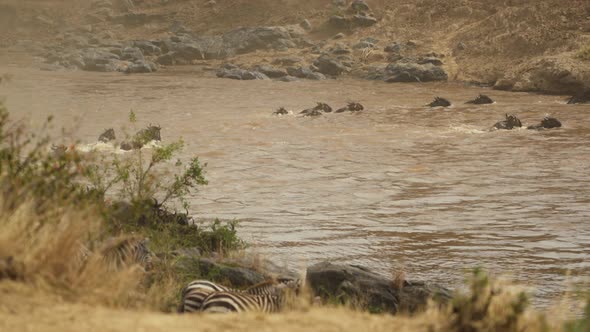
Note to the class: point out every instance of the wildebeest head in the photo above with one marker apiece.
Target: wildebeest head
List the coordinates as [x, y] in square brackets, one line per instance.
[323, 107]
[481, 99]
[151, 133]
[355, 107]
[549, 122]
[512, 121]
[107, 135]
[438, 101]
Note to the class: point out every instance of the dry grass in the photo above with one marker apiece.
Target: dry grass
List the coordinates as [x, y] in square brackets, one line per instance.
[45, 246]
[584, 53]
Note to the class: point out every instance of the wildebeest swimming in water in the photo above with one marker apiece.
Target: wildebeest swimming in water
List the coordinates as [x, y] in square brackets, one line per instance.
[151, 133]
[438, 101]
[582, 97]
[546, 123]
[480, 100]
[510, 122]
[351, 107]
[281, 111]
[317, 110]
[107, 136]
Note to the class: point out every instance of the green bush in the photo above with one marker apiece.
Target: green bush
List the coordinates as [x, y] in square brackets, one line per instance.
[139, 182]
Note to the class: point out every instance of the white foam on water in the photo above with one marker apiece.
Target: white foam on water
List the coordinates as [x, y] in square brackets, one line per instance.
[467, 129]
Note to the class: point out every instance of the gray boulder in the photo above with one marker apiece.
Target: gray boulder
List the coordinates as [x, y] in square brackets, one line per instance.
[339, 22]
[140, 67]
[362, 20]
[270, 71]
[100, 60]
[287, 61]
[394, 48]
[288, 78]
[358, 285]
[147, 47]
[413, 72]
[432, 60]
[305, 72]
[132, 54]
[240, 74]
[329, 66]
[245, 40]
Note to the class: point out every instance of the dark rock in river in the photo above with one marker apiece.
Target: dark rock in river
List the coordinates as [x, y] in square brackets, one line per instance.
[439, 102]
[412, 72]
[270, 71]
[233, 72]
[511, 122]
[358, 285]
[480, 100]
[329, 66]
[546, 123]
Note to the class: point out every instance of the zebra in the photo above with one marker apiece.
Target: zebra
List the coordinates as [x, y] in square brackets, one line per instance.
[195, 293]
[268, 301]
[121, 252]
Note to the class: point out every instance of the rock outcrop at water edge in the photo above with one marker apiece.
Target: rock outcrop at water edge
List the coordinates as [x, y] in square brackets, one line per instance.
[358, 285]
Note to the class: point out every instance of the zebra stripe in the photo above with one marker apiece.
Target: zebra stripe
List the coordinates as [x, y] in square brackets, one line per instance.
[119, 253]
[241, 302]
[195, 293]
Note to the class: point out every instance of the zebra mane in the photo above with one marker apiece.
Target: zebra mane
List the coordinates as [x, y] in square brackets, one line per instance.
[262, 284]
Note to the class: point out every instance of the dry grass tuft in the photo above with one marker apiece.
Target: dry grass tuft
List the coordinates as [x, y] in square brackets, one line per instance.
[48, 245]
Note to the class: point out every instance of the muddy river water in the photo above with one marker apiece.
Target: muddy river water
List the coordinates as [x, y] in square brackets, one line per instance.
[399, 185]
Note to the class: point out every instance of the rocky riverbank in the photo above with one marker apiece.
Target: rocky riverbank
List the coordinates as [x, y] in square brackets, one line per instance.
[414, 42]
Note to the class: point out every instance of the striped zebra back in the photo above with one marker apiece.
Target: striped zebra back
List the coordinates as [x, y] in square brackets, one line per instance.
[268, 296]
[128, 251]
[221, 302]
[195, 293]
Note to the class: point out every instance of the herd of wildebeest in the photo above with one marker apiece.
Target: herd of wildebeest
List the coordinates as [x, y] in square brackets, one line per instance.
[510, 122]
[152, 133]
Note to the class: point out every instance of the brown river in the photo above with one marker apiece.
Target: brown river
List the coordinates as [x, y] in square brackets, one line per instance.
[399, 185]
